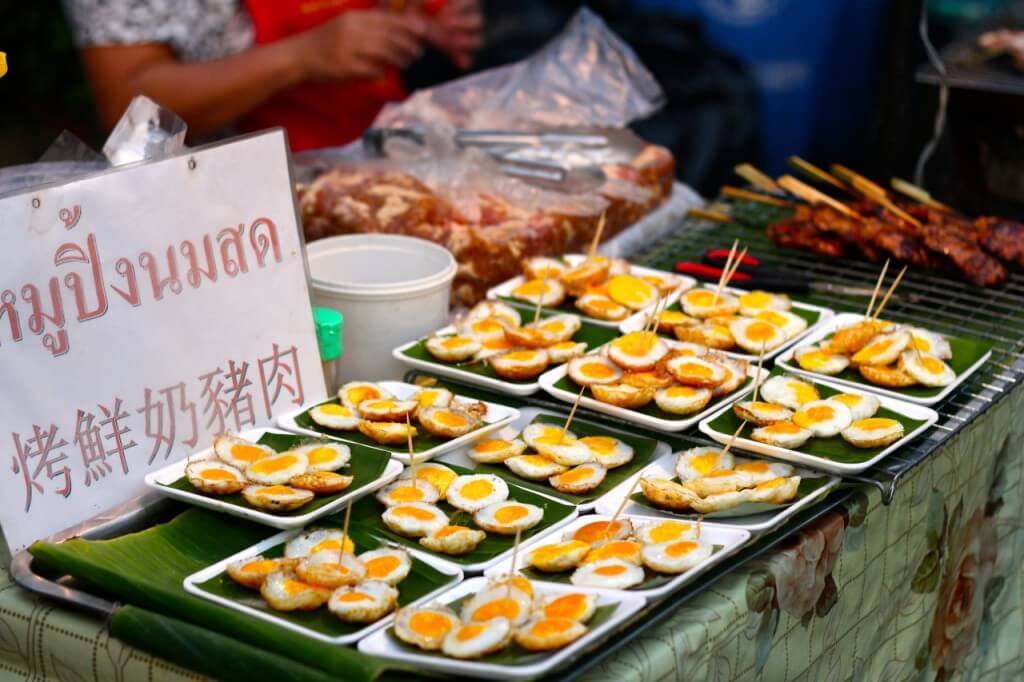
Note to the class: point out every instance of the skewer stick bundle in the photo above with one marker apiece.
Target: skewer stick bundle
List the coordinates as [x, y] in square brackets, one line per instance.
[597, 235]
[819, 174]
[888, 294]
[737, 193]
[878, 285]
[756, 178]
[809, 194]
[709, 214]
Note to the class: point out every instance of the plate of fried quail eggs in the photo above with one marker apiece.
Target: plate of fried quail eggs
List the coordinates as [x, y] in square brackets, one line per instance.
[275, 478]
[502, 627]
[319, 583]
[819, 424]
[386, 414]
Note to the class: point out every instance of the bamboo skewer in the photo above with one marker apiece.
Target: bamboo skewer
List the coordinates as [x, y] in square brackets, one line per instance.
[597, 236]
[344, 532]
[572, 413]
[809, 194]
[412, 452]
[756, 178]
[512, 566]
[728, 275]
[892, 288]
[878, 285]
[540, 298]
[874, 192]
[700, 519]
[918, 194]
[820, 174]
[725, 269]
[622, 505]
[709, 214]
[757, 377]
[735, 435]
[737, 193]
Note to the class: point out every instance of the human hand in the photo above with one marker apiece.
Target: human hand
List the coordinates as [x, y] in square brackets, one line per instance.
[360, 44]
[457, 29]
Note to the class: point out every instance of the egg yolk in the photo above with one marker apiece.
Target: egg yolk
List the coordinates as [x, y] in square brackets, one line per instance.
[614, 569]
[492, 445]
[932, 365]
[601, 444]
[667, 532]
[534, 287]
[550, 627]
[678, 549]
[379, 405]
[804, 393]
[477, 490]
[753, 467]
[629, 289]
[695, 369]
[567, 606]
[603, 305]
[449, 530]
[875, 424]
[450, 419]
[619, 549]
[761, 331]
[564, 345]
[430, 624]
[321, 455]
[510, 514]
[848, 399]
[217, 475]
[554, 327]
[814, 415]
[596, 370]
[451, 342]
[260, 566]
[293, 587]
[381, 566]
[350, 597]
[700, 297]
[721, 473]
[768, 485]
[487, 326]
[673, 317]
[575, 476]
[921, 344]
[436, 477]
[406, 493]
[468, 632]
[549, 553]
[598, 530]
[550, 435]
[815, 359]
[336, 410]
[277, 490]
[704, 464]
[520, 356]
[875, 349]
[756, 299]
[247, 453]
[412, 513]
[783, 427]
[272, 465]
[635, 343]
[680, 391]
[500, 343]
[772, 317]
[358, 394]
[535, 461]
[504, 607]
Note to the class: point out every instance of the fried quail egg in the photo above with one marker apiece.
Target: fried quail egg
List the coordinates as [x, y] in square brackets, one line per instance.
[529, 337]
[505, 518]
[542, 267]
[626, 550]
[517, 582]
[510, 603]
[656, 378]
[559, 556]
[932, 343]
[782, 434]
[882, 350]
[318, 540]
[873, 432]
[437, 475]
[775, 491]
[495, 450]
[825, 418]
[721, 481]
[214, 477]
[664, 282]
[474, 492]
[861, 405]
[386, 565]
[577, 606]
[432, 397]
[696, 372]
[473, 640]
[668, 320]
[498, 310]
[892, 377]
[610, 574]
[387, 433]
[559, 328]
[447, 422]
[735, 375]
[321, 482]
[277, 469]
[546, 434]
[850, 339]
[609, 452]
[534, 467]
[548, 634]
[580, 479]
[682, 399]
[567, 453]
[788, 392]
[330, 570]
[486, 329]
[707, 334]
[699, 462]
[325, 455]
[632, 292]
[597, 532]
[565, 351]
[660, 532]
[492, 347]
[757, 471]
[637, 351]
[549, 293]
[755, 335]
[335, 416]
[591, 370]
[926, 369]
[720, 502]
[366, 602]
[283, 591]
[761, 413]
[520, 364]
[252, 571]
[817, 359]
[753, 302]
[675, 557]
[791, 324]
[387, 410]
[702, 303]
[426, 626]
[407, 490]
[239, 452]
[667, 494]
[590, 272]
[623, 395]
[414, 519]
[601, 307]
[453, 540]
[453, 348]
[689, 348]
[354, 393]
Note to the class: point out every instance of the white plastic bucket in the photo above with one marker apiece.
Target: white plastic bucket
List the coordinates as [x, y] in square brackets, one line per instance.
[391, 289]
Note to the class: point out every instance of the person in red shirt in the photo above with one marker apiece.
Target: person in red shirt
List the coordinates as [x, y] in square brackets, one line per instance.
[320, 68]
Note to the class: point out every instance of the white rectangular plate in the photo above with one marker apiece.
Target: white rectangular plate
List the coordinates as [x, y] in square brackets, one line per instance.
[497, 416]
[755, 523]
[787, 362]
[526, 417]
[637, 322]
[918, 412]
[553, 376]
[193, 585]
[730, 538]
[159, 480]
[505, 289]
[380, 643]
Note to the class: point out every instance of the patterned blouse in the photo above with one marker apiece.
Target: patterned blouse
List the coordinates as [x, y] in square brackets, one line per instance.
[197, 30]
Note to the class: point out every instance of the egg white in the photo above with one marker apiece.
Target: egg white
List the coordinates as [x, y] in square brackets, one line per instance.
[536, 434]
[754, 335]
[930, 342]
[611, 574]
[486, 638]
[277, 469]
[791, 324]
[471, 493]
[486, 605]
[826, 427]
[355, 392]
[817, 359]
[873, 432]
[325, 455]
[753, 302]
[701, 461]
[496, 450]
[335, 416]
[426, 626]
[493, 519]
[607, 451]
[699, 303]
[675, 557]
[788, 392]
[601, 307]
[454, 540]
[215, 477]
[366, 602]
[697, 372]
[782, 434]
[534, 467]
[682, 399]
[414, 519]
[927, 369]
[761, 413]
[669, 530]
[405, 490]
[579, 480]
[861, 405]
[591, 370]
[238, 452]
[883, 349]
[380, 564]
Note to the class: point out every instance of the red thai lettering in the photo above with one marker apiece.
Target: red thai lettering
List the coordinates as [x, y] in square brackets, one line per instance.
[263, 243]
[74, 253]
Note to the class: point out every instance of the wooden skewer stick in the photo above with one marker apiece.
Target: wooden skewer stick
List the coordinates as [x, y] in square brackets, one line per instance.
[622, 505]
[725, 270]
[873, 191]
[878, 285]
[737, 193]
[652, 321]
[700, 519]
[820, 174]
[412, 452]
[756, 178]
[597, 235]
[572, 413]
[728, 446]
[344, 532]
[757, 377]
[512, 566]
[892, 288]
[540, 297]
[918, 194]
[710, 215]
[735, 266]
[811, 195]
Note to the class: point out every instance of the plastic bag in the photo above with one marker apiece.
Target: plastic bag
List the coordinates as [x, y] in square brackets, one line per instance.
[586, 76]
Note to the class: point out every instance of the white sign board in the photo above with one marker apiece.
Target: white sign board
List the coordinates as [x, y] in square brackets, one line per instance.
[142, 311]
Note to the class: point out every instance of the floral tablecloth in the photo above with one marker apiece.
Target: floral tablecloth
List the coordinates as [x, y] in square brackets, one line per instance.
[929, 588]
